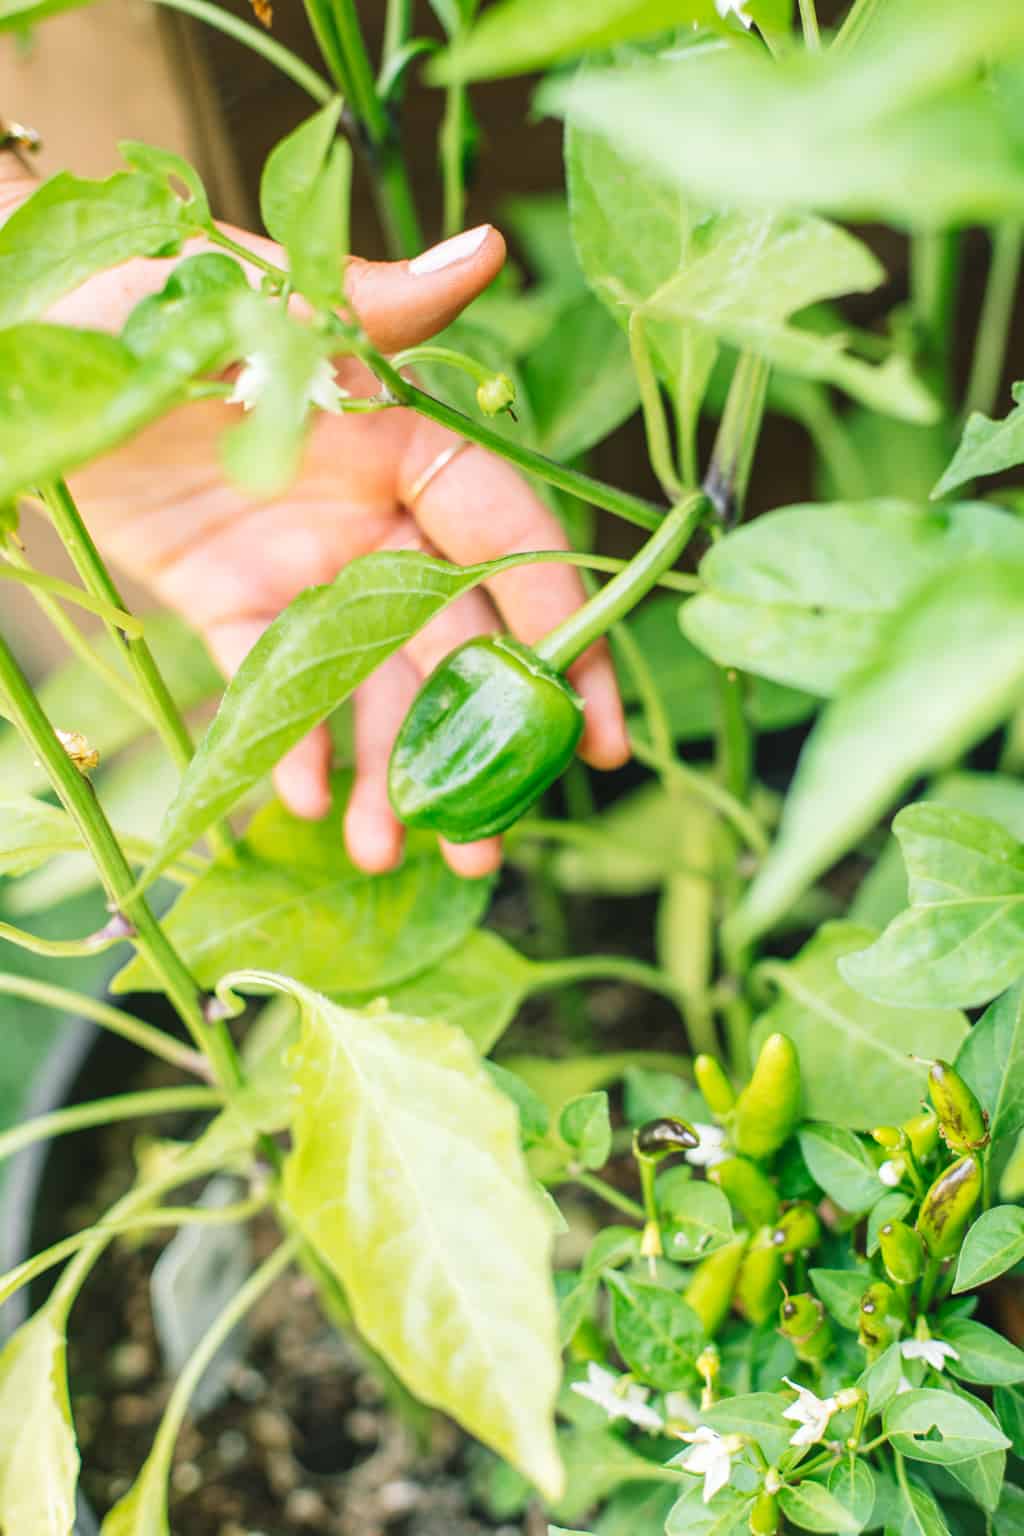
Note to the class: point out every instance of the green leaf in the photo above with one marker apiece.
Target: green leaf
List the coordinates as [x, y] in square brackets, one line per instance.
[962, 940]
[881, 1380]
[916, 134]
[948, 666]
[695, 1216]
[319, 238]
[292, 168]
[921, 1514]
[579, 381]
[813, 1507]
[856, 1058]
[852, 1483]
[985, 1357]
[560, 1530]
[841, 1290]
[649, 1095]
[586, 1127]
[313, 656]
[726, 1515]
[534, 1120]
[446, 1267]
[801, 596]
[596, 1462]
[1009, 1407]
[757, 1414]
[70, 229]
[981, 1476]
[987, 447]
[142, 1511]
[991, 1060]
[994, 1244]
[38, 1453]
[963, 1430]
[478, 987]
[68, 396]
[840, 1165]
[293, 897]
[173, 170]
[656, 1332]
[31, 832]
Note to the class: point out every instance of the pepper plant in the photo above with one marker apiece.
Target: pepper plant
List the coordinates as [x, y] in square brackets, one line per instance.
[789, 1323]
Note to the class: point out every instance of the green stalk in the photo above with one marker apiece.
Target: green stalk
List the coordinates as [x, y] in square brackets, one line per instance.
[253, 37]
[145, 1036]
[619, 596]
[124, 1106]
[321, 24]
[809, 23]
[659, 443]
[453, 158]
[61, 949]
[70, 594]
[934, 272]
[994, 321]
[732, 457]
[604, 1191]
[562, 973]
[397, 27]
[858, 19]
[706, 788]
[79, 800]
[578, 834]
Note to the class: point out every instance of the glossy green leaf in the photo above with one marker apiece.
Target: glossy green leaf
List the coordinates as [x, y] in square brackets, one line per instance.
[70, 229]
[726, 1515]
[597, 1461]
[921, 1514]
[319, 238]
[31, 832]
[172, 170]
[994, 1244]
[291, 170]
[695, 1216]
[987, 447]
[991, 1060]
[579, 380]
[985, 1357]
[801, 596]
[962, 939]
[656, 1332]
[857, 1061]
[948, 666]
[813, 1507]
[757, 1414]
[406, 1173]
[963, 1430]
[980, 1476]
[585, 1126]
[67, 396]
[1008, 1403]
[478, 987]
[881, 1381]
[38, 1452]
[190, 323]
[841, 1291]
[916, 136]
[534, 1120]
[312, 658]
[293, 897]
[840, 1165]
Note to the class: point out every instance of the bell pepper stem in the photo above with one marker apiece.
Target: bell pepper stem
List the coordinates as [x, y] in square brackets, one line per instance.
[619, 596]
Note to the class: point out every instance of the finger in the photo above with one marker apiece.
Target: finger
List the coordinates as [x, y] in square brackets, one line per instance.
[473, 860]
[302, 778]
[401, 303]
[478, 508]
[373, 833]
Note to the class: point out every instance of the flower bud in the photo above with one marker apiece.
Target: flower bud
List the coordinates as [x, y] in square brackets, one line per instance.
[496, 394]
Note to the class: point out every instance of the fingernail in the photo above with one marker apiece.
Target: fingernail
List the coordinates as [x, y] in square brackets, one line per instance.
[458, 248]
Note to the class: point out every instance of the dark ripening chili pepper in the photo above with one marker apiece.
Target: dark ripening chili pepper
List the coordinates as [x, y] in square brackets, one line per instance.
[659, 1138]
[710, 1290]
[902, 1252]
[496, 722]
[749, 1190]
[768, 1110]
[946, 1208]
[764, 1515]
[962, 1122]
[804, 1322]
[759, 1283]
[719, 1094]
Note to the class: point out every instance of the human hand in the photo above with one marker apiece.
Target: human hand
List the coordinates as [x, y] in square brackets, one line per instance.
[160, 508]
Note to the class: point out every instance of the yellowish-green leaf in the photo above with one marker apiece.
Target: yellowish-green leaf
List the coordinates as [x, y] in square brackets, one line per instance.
[38, 1452]
[31, 832]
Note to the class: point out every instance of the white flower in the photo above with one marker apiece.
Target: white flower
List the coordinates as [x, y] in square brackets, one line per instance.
[933, 1351]
[891, 1172]
[619, 1397]
[812, 1413]
[254, 377]
[710, 1457]
[712, 1148]
[737, 8]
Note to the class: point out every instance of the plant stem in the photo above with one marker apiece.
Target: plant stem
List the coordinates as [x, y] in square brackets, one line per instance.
[579, 834]
[243, 32]
[858, 19]
[934, 267]
[809, 23]
[994, 321]
[60, 949]
[453, 157]
[619, 596]
[124, 1106]
[145, 1036]
[732, 457]
[659, 443]
[562, 973]
[927, 1292]
[707, 789]
[79, 800]
[397, 27]
[115, 617]
[606, 1192]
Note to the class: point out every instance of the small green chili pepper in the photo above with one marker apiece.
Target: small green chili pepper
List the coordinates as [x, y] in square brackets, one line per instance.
[876, 1324]
[719, 1094]
[759, 1283]
[710, 1290]
[764, 1515]
[946, 1208]
[902, 1252]
[923, 1134]
[804, 1322]
[889, 1136]
[748, 1188]
[962, 1122]
[768, 1110]
[660, 1138]
[797, 1229]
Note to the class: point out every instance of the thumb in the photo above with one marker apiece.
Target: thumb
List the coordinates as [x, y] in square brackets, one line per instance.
[401, 303]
